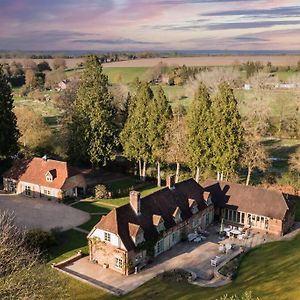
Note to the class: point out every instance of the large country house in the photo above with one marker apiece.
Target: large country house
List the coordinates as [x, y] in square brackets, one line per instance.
[146, 227]
[132, 234]
[43, 177]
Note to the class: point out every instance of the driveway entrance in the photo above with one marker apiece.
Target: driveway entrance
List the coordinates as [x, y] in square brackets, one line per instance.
[42, 214]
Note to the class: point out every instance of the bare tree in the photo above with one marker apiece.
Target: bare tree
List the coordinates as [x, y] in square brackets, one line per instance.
[59, 63]
[22, 274]
[212, 79]
[254, 156]
[175, 140]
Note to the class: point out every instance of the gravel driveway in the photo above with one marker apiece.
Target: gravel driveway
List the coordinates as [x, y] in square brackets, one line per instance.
[43, 214]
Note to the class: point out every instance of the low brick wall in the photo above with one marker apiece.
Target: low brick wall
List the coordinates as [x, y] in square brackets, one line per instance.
[68, 261]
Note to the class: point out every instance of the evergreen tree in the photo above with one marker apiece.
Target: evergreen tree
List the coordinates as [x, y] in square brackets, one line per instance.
[227, 131]
[198, 127]
[91, 129]
[134, 136]
[159, 114]
[9, 133]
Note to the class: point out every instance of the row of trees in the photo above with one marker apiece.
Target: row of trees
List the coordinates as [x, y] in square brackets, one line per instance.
[209, 138]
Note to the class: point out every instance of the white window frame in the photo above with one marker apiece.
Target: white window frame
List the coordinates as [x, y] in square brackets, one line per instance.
[119, 263]
[107, 236]
[160, 246]
[49, 177]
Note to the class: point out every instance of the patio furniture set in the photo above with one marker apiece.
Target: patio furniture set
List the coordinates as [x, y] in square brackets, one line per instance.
[198, 236]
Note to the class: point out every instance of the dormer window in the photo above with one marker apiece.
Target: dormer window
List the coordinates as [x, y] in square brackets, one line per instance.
[177, 215]
[136, 233]
[193, 206]
[207, 198]
[50, 175]
[158, 222]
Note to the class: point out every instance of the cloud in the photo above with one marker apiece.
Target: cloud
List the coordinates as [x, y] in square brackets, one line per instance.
[248, 25]
[289, 11]
[115, 42]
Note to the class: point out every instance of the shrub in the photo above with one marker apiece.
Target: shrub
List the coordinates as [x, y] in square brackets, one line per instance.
[290, 178]
[101, 191]
[39, 239]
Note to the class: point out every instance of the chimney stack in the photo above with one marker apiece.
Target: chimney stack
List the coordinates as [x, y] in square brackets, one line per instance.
[135, 201]
[170, 180]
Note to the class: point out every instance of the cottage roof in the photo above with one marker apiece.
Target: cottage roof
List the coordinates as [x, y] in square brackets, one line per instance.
[34, 171]
[162, 204]
[248, 199]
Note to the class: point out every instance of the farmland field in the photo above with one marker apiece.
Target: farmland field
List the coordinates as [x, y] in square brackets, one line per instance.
[204, 60]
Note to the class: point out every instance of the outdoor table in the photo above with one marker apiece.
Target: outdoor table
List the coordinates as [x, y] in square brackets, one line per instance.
[235, 231]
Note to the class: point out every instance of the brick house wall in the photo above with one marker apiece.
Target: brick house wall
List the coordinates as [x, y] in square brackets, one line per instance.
[105, 253]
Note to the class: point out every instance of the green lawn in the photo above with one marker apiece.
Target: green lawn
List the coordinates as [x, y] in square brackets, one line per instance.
[91, 223]
[124, 75]
[69, 243]
[92, 207]
[270, 271]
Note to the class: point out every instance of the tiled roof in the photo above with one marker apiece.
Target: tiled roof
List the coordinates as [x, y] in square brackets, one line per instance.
[161, 203]
[134, 229]
[156, 219]
[248, 199]
[34, 171]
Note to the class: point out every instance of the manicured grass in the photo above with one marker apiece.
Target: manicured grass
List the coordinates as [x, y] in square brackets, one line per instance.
[69, 243]
[270, 271]
[82, 291]
[91, 223]
[92, 207]
[124, 75]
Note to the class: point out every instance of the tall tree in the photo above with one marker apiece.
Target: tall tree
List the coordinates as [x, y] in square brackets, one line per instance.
[159, 114]
[134, 136]
[9, 133]
[175, 141]
[254, 156]
[91, 128]
[198, 127]
[227, 131]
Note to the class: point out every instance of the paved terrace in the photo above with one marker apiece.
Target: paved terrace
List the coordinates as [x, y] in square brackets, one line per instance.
[192, 257]
[189, 256]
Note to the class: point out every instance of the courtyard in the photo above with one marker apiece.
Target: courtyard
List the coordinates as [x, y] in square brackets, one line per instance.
[39, 213]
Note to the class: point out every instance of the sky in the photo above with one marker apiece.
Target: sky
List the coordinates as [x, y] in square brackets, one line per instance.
[149, 25]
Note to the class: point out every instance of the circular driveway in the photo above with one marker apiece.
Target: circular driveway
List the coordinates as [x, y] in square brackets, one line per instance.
[43, 214]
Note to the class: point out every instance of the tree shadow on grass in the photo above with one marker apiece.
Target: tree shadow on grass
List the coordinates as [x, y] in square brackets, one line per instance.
[68, 243]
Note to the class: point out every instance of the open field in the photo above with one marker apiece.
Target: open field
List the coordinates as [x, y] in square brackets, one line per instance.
[204, 60]
[221, 60]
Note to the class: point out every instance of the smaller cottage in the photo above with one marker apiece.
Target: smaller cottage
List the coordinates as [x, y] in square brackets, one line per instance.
[43, 177]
